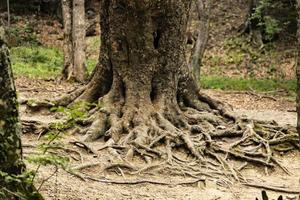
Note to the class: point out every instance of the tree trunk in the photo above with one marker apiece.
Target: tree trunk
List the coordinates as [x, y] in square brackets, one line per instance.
[203, 9]
[10, 143]
[298, 70]
[142, 72]
[74, 40]
[149, 102]
[78, 35]
[8, 13]
[68, 49]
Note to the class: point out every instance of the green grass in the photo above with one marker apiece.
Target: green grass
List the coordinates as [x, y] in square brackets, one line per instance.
[243, 84]
[39, 61]
[36, 61]
[91, 63]
[44, 62]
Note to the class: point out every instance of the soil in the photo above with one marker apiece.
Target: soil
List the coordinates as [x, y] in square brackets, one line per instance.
[278, 106]
[65, 186]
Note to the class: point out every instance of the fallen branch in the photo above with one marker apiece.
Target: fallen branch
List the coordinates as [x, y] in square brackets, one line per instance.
[141, 181]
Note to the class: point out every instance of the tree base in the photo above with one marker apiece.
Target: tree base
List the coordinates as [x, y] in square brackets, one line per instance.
[185, 139]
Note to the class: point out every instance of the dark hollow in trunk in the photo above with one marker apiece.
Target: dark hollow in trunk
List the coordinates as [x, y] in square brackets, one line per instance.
[151, 104]
[142, 74]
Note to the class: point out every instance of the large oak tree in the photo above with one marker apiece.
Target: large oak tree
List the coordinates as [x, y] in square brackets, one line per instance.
[148, 96]
[143, 75]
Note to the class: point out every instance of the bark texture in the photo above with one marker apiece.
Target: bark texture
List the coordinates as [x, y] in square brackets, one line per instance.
[74, 40]
[150, 105]
[142, 77]
[298, 70]
[10, 141]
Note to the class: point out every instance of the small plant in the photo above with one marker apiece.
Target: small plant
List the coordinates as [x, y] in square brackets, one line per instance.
[23, 184]
[74, 113]
[49, 159]
[268, 24]
[23, 35]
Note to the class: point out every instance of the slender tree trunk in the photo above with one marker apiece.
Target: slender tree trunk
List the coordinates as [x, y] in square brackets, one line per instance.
[74, 40]
[298, 70]
[203, 9]
[8, 13]
[10, 143]
[67, 48]
[79, 45]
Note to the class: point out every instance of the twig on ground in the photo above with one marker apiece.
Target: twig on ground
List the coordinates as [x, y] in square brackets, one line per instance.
[84, 146]
[140, 181]
[273, 188]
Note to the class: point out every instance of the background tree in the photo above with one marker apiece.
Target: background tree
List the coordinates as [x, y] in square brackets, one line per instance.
[266, 19]
[8, 13]
[13, 183]
[74, 40]
[203, 10]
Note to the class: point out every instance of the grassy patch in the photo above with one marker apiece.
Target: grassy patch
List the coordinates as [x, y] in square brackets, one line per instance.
[36, 61]
[91, 63]
[243, 84]
[39, 61]
[43, 62]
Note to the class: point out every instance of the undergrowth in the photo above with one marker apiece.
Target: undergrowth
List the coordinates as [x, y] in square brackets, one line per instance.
[40, 62]
[243, 84]
[45, 62]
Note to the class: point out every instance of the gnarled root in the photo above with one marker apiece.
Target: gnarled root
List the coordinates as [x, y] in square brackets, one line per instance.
[195, 137]
[188, 140]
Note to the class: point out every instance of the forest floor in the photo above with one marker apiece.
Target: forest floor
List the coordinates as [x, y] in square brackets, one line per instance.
[62, 185]
[253, 84]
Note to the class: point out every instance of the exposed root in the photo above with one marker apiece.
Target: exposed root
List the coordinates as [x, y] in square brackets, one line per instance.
[62, 101]
[188, 140]
[155, 137]
[36, 127]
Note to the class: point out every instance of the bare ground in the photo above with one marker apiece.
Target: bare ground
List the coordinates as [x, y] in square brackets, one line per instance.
[64, 186]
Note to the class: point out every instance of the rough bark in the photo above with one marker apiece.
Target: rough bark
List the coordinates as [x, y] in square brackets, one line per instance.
[10, 142]
[67, 48]
[203, 10]
[150, 104]
[298, 70]
[74, 40]
[78, 35]
[141, 88]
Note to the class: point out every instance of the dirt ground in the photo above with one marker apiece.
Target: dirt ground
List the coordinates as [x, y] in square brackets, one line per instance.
[64, 186]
